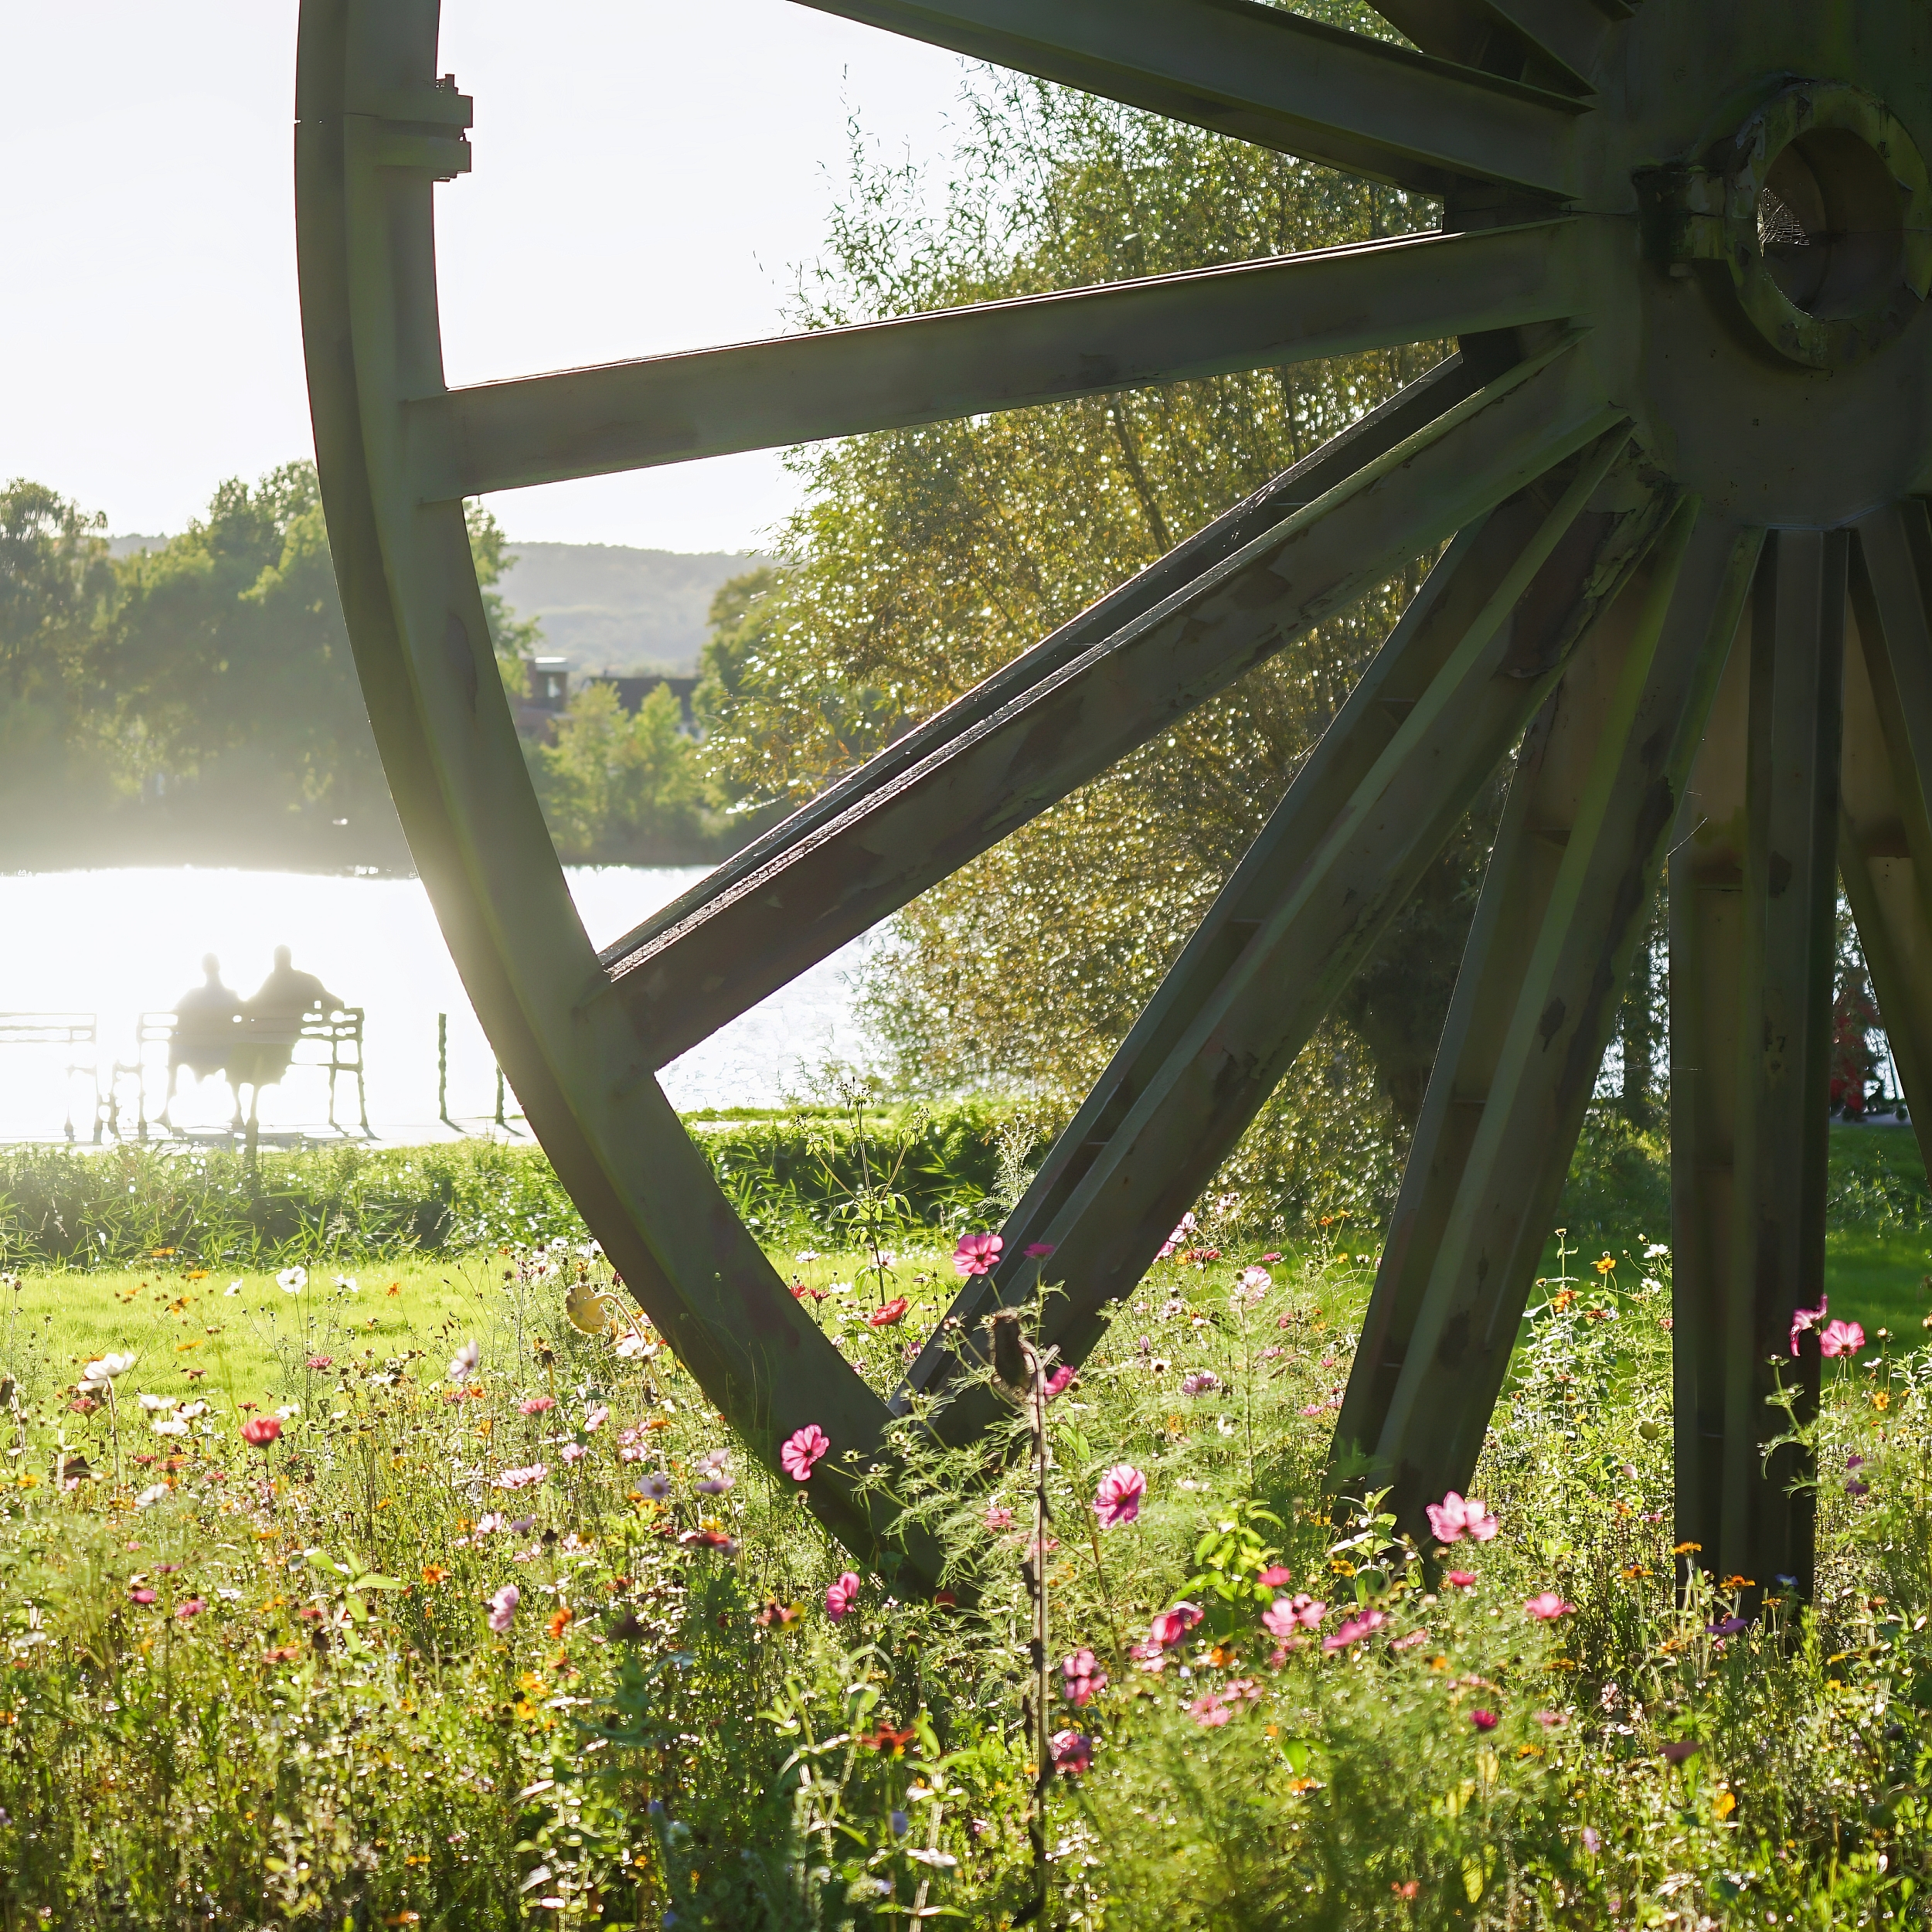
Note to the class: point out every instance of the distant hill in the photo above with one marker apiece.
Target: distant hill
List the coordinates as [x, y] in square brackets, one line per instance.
[607, 607]
[602, 606]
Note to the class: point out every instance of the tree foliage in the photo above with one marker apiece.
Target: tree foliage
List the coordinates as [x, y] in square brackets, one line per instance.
[927, 557]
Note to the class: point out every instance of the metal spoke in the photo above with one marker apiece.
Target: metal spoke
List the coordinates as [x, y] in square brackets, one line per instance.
[1007, 767]
[1446, 698]
[998, 355]
[1753, 889]
[1576, 860]
[1267, 76]
[1551, 43]
[1885, 843]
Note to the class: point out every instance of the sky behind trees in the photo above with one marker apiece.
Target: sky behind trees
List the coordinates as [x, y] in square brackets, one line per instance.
[648, 174]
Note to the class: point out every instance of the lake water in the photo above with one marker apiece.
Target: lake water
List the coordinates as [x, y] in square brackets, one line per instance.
[116, 944]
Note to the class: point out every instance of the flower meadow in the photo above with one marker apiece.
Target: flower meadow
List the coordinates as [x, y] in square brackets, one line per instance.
[489, 1621]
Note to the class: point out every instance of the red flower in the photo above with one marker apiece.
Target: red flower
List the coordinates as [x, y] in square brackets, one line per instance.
[1483, 1720]
[260, 1431]
[893, 1311]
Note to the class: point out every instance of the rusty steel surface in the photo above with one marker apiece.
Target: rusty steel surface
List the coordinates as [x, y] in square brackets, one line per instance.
[1685, 248]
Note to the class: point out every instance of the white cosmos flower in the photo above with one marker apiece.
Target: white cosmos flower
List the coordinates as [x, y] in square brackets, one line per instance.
[290, 1411]
[349, 1283]
[170, 1425]
[148, 1498]
[463, 1364]
[191, 1410]
[157, 1405]
[233, 1288]
[99, 1372]
[292, 1280]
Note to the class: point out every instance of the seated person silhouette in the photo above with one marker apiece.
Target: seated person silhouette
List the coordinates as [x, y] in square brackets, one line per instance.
[272, 1022]
[207, 1031]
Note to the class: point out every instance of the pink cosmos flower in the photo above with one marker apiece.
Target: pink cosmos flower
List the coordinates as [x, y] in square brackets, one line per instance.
[804, 1448]
[1185, 1226]
[1118, 1500]
[842, 1597]
[574, 1452]
[1170, 1626]
[1841, 1338]
[503, 1608]
[1452, 1519]
[1274, 1576]
[1253, 1282]
[320, 1361]
[1072, 1752]
[893, 1311]
[141, 1596]
[1038, 1250]
[1552, 1720]
[1414, 1637]
[1210, 1711]
[527, 1477]
[1805, 1319]
[1461, 1579]
[259, 1431]
[1203, 1381]
[187, 1612]
[1286, 1615]
[1483, 1720]
[1547, 1607]
[1057, 1381]
[1353, 1629]
[977, 1254]
[997, 1518]
[595, 1416]
[1082, 1678]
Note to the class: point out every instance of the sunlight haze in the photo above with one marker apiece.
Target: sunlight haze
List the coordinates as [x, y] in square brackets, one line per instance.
[648, 178]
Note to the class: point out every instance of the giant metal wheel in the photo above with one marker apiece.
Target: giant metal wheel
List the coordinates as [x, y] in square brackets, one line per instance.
[1685, 249]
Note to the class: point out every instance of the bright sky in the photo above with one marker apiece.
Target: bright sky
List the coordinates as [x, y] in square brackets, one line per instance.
[648, 175]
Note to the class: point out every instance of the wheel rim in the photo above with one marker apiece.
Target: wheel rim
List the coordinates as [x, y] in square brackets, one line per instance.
[1684, 251]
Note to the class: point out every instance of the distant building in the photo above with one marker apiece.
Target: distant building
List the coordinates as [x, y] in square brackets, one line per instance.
[632, 691]
[549, 684]
[547, 696]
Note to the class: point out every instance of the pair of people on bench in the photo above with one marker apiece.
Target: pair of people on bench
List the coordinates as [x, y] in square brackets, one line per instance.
[248, 1042]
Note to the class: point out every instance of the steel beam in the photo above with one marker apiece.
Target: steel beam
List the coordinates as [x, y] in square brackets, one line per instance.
[1575, 865]
[975, 789]
[1754, 891]
[997, 356]
[1885, 845]
[1268, 76]
[1443, 704]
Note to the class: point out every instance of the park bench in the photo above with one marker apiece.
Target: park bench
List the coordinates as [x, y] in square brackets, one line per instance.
[70, 1030]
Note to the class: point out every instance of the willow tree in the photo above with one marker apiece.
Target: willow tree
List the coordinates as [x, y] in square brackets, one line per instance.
[926, 558]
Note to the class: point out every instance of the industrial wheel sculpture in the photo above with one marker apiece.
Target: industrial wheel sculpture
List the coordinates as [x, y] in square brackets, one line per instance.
[1685, 249]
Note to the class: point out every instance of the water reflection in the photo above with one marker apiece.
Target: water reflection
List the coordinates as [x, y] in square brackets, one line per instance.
[118, 944]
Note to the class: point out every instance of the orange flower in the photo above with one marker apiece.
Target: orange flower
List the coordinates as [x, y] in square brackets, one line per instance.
[1686, 1549]
[433, 1573]
[561, 1621]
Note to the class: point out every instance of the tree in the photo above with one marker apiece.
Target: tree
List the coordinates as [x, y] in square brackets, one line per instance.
[617, 788]
[55, 580]
[514, 639]
[927, 557]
